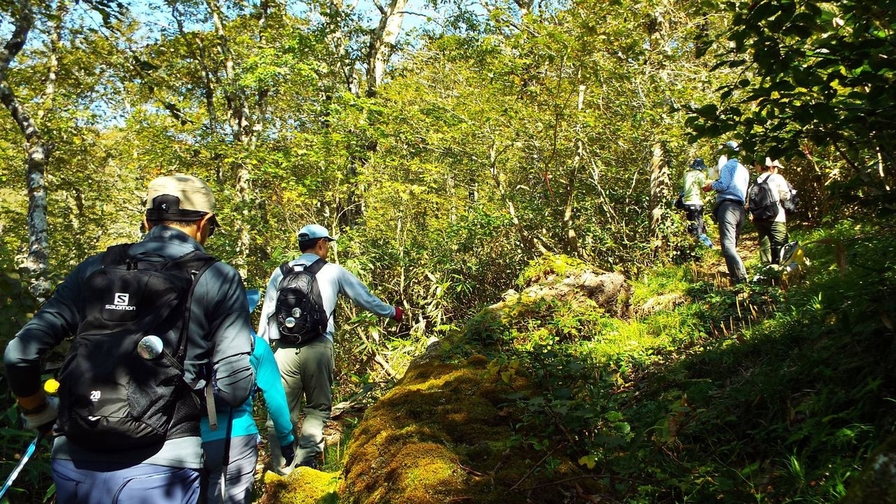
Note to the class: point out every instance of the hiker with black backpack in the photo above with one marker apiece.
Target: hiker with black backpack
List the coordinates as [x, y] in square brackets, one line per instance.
[729, 213]
[765, 202]
[153, 322]
[298, 318]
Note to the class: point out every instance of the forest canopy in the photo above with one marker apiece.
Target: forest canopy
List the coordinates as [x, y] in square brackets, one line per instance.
[448, 144]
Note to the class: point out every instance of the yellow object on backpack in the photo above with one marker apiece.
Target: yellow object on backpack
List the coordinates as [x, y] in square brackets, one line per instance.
[793, 262]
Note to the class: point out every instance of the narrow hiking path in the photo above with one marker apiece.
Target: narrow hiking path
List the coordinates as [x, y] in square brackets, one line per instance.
[333, 476]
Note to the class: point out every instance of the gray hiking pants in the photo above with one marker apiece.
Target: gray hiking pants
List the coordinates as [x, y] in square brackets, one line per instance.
[307, 373]
[240, 469]
[730, 216]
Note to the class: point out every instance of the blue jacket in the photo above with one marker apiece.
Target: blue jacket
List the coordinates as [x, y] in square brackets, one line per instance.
[734, 178]
[267, 376]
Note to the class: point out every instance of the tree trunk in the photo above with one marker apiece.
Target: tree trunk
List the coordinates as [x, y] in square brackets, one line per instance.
[659, 195]
[244, 127]
[200, 54]
[37, 261]
[572, 241]
[240, 120]
[381, 42]
[529, 242]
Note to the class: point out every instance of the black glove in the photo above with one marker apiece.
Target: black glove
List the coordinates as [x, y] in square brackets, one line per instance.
[289, 453]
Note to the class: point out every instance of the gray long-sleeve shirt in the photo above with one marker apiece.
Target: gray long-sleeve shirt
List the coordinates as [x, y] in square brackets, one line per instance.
[332, 280]
[220, 332]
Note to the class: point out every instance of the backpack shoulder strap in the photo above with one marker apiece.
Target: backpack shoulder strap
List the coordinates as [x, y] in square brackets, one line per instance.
[195, 264]
[116, 255]
[314, 267]
[285, 269]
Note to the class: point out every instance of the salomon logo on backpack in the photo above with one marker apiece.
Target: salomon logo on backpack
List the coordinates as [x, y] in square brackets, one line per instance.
[300, 311]
[763, 201]
[110, 398]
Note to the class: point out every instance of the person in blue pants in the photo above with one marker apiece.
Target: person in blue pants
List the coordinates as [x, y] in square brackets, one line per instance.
[231, 465]
[179, 218]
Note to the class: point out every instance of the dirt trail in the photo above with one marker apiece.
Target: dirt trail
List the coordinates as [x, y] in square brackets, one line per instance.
[711, 267]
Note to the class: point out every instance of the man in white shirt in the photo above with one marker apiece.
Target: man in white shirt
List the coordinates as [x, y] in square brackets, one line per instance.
[307, 366]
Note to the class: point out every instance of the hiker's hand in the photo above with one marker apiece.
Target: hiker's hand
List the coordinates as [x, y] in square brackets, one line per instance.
[42, 417]
[707, 188]
[398, 314]
[289, 454]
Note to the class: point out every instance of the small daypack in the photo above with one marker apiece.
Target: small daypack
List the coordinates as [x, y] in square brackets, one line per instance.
[300, 312]
[763, 200]
[791, 205]
[679, 203]
[111, 398]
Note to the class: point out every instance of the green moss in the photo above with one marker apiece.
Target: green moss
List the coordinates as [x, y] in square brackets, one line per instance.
[662, 282]
[551, 265]
[302, 486]
[417, 437]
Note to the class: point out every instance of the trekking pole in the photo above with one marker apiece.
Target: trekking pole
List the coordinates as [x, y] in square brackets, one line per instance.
[21, 465]
[50, 386]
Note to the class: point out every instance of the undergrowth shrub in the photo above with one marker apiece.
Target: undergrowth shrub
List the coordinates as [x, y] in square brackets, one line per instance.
[729, 395]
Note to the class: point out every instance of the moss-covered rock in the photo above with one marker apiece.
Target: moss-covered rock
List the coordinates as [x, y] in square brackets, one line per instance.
[446, 432]
[877, 482]
[410, 446]
[302, 486]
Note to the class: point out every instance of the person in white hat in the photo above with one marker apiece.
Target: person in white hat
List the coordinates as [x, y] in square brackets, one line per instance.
[772, 232]
[94, 463]
[307, 366]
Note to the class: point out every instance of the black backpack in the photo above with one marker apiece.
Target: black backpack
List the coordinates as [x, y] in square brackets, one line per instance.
[300, 312]
[763, 200]
[791, 205]
[111, 398]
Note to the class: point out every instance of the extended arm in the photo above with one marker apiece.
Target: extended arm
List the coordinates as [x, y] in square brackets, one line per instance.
[55, 321]
[350, 286]
[268, 379]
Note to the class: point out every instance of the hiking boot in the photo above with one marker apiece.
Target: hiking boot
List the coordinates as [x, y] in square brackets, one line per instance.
[283, 471]
[312, 463]
[705, 240]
